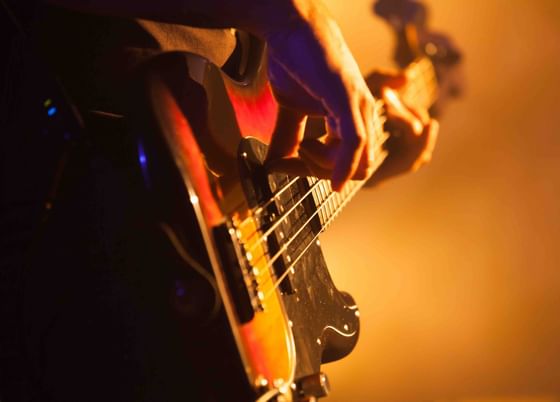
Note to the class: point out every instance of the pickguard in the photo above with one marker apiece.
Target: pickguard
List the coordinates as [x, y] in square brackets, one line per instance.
[324, 320]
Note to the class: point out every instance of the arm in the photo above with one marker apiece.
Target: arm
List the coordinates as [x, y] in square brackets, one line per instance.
[307, 51]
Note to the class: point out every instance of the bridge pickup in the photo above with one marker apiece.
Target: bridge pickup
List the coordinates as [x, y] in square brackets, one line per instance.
[235, 274]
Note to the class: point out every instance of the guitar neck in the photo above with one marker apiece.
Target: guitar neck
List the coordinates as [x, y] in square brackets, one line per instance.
[420, 91]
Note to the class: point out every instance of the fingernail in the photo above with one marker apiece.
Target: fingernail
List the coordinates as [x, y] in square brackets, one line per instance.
[417, 127]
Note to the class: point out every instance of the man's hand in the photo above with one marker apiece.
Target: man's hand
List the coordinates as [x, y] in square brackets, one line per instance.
[413, 132]
[412, 140]
[313, 72]
[306, 45]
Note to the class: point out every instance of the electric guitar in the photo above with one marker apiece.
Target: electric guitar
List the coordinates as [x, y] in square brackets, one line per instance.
[267, 313]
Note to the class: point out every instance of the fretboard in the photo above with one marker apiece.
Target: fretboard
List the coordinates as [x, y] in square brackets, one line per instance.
[420, 91]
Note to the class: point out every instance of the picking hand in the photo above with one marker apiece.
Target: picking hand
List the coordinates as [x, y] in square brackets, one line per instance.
[313, 72]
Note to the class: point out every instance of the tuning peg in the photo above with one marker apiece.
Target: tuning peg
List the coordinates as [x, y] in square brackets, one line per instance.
[440, 48]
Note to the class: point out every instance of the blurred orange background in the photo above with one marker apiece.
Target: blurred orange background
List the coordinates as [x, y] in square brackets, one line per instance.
[456, 269]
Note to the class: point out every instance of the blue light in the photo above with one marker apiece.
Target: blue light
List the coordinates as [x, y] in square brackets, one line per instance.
[143, 159]
[142, 156]
[52, 111]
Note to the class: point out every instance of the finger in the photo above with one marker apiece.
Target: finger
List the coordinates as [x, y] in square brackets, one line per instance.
[322, 153]
[354, 139]
[398, 109]
[321, 158]
[367, 159]
[431, 139]
[421, 114]
[365, 168]
[433, 135]
[288, 134]
[399, 126]
[433, 130]
[373, 125]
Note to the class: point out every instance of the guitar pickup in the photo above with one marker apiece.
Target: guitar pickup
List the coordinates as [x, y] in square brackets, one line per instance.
[237, 275]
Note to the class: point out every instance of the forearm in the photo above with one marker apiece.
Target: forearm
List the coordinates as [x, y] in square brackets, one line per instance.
[257, 16]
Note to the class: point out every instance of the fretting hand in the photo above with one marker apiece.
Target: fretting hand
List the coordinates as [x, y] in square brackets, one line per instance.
[413, 133]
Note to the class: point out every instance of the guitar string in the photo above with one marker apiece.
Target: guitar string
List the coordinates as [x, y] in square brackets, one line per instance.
[330, 218]
[380, 138]
[421, 68]
[310, 243]
[429, 92]
[263, 238]
[325, 204]
[284, 216]
[291, 267]
[260, 208]
[357, 185]
[284, 247]
[426, 85]
[294, 181]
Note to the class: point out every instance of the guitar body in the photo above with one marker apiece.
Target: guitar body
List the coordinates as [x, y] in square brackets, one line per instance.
[273, 313]
[265, 312]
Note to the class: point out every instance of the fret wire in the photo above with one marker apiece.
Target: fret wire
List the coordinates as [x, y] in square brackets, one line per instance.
[329, 199]
[333, 199]
[292, 238]
[423, 69]
[356, 186]
[322, 197]
[326, 199]
[427, 93]
[338, 201]
[379, 130]
[310, 182]
[260, 209]
[281, 219]
[296, 260]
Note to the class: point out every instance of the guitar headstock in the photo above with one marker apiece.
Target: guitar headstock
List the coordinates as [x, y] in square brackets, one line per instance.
[409, 19]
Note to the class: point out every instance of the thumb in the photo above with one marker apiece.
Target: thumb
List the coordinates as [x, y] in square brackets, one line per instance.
[288, 134]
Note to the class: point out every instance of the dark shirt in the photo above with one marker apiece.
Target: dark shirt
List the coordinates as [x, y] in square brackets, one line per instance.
[84, 297]
[95, 55]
